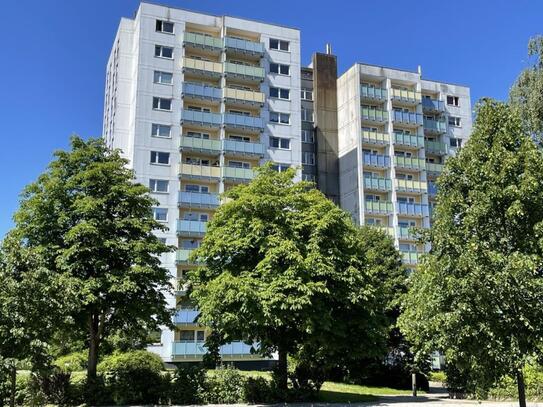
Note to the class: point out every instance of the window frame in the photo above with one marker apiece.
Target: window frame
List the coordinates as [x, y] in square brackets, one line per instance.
[162, 47]
[160, 82]
[279, 93]
[457, 121]
[279, 43]
[309, 154]
[165, 211]
[161, 30]
[280, 115]
[279, 66]
[159, 99]
[158, 126]
[157, 154]
[280, 141]
[154, 182]
[312, 136]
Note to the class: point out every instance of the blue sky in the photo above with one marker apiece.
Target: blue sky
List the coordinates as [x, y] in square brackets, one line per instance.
[54, 56]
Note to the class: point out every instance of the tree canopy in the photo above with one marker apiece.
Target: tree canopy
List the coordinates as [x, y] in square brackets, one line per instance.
[477, 295]
[287, 269]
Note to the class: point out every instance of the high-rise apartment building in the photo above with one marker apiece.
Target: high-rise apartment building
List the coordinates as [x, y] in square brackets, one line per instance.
[196, 102]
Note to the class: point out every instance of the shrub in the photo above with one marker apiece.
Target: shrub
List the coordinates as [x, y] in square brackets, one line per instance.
[55, 386]
[259, 390]
[225, 386]
[133, 377]
[188, 385]
[72, 362]
[533, 380]
[437, 377]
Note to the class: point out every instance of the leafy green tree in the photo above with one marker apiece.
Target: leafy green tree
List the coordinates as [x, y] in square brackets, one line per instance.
[93, 227]
[477, 295]
[287, 268]
[526, 94]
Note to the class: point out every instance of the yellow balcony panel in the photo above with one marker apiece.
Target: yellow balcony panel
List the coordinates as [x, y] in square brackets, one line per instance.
[202, 67]
[244, 96]
[199, 171]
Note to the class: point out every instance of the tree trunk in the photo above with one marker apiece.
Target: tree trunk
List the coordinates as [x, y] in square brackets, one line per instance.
[414, 383]
[282, 373]
[521, 389]
[13, 374]
[94, 341]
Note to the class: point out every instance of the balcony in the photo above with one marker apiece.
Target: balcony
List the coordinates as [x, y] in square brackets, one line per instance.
[374, 115]
[194, 228]
[243, 47]
[432, 105]
[201, 41]
[244, 148]
[409, 163]
[406, 185]
[372, 93]
[245, 72]
[378, 207]
[237, 174]
[388, 230]
[409, 140]
[377, 184]
[436, 147]
[374, 137]
[193, 171]
[434, 126]
[180, 287]
[243, 97]
[206, 69]
[406, 233]
[201, 119]
[408, 118]
[200, 145]
[182, 256]
[191, 349]
[411, 257]
[404, 96]
[186, 316]
[197, 91]
[412, 209]
[189, 199]
[241, 122]
[432, 189]
[376, 160]
[434, 168]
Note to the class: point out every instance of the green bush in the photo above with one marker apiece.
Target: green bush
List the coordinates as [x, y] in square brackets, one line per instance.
[437, 377]
[506, 389]
[225, 386]
[72, 362]
[188, 385]
[259, 390]
[134, 377]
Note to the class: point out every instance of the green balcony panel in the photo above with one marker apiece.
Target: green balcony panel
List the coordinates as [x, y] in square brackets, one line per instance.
[410, 140]
[375, 115]
[244, 71]
[375, 137]
[381, 184]
[409, 162]
[202, 41]
[199, 144]
[378, 206]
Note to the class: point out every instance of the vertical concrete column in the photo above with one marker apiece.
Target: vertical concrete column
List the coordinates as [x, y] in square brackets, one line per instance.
[222, 133]
[393, 219]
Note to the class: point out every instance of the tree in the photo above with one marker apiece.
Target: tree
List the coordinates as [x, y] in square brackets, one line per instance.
[477, 295]
[93, 228]
[526, 94]
[287, 269]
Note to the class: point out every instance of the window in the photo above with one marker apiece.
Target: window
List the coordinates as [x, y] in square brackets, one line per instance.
[162, 104]
[160, 214]
[197, 188]
[407, 223]
[195, 216]
[372, 198]
[408, 247]
[306, 94]
[239, 138]
[161, 130]
[408, 177]
[190, 244]
[280, 69]
[453, 100]
[239, 164]
[406, 199]
[198, 109]
[200, 161]
[163, 52]
[159, 157]
[455, 142]
[307, 114]
[307, 136]
[373, 221]
[454, 121]
[279, 44]
[164, 78]
[280, 167]
[162, 240]
[164, 27]
[195, 134]
[158, 185]
[309, 177]
[283, 118]
[280, 93]
[308, 158]
[403, 154]
[278, 142]
[239, 112]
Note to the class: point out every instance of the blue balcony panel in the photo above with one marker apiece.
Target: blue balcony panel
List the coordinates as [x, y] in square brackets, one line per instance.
[243, 122]
[413, 209]
[205, 119]
[201, 91]
[191, 227]
[376, 160]
[198, 199]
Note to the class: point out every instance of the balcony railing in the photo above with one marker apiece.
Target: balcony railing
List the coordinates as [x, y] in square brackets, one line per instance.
[434, 168]
[388, 230]
[411, 257]
[435, 126]
[200, 144]
[407, 185]
[245, 96]
[374, 115]
[206, 119]
[433, 105]
[403, 95]
[406, 233]
[186, 316]
[410, 140]
[199, 171]
[238, 174]
[191, 227]
[432, 188]
[182, 256]
[203, 67]
[198, 199]
[377, 183]
[407, 118]
[370, 92]
[413, 209]
[198, 349]
[200, 91]
[375, 137]
[243, 147]
[436, 147]
[376, 160]
[202, 41]
[244, 71]
[244, 46]
[243, 122]
[409, 162]
[378, 206]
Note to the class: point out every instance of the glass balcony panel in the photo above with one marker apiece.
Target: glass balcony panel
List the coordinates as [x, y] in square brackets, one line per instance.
[406, 95]
[198, 199]
[199, 65]
[414, 209]
[238, 173]
[182, 255]
[436, 147]
[203, 41]
[372, 92]
[235, 348]
[411, 140]
[376, 160]
[186, 316]
[411, 257]
[374, 115]
[433, 104]
[245, 95]
[378, 206]
[382, 184]
[433, 167]
[203, 171]
[409, 162]
[256, 72]
[408, 117]
[243, 147]
[191, 227]
[406, 233]
[202, 118]
[246, 46]
[238, 120]
[435, 126]
[432, 188]
[375, 137]
[202, 91]
[411, 186]
[193, 143]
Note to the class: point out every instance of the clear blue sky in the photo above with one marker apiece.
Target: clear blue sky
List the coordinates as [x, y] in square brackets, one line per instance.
[54, 56]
